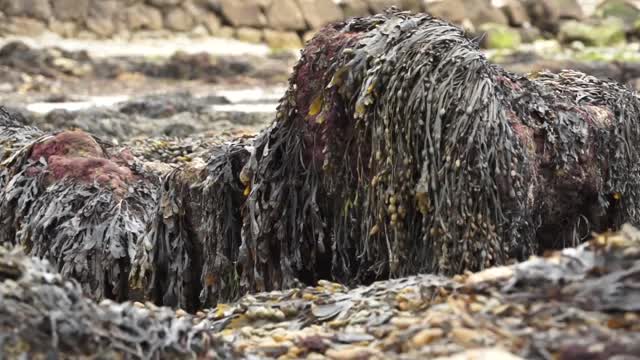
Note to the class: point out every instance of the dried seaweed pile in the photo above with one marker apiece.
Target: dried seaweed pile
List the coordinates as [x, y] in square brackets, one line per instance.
[579, 303]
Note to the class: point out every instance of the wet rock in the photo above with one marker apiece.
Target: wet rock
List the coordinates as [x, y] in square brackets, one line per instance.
[67, 10]
[143, 17]
[285, 15]
[318, 13]
[242, 13]
[605, 32]
[178, 19]
[351, 8]
[282, 39]
[500, 36]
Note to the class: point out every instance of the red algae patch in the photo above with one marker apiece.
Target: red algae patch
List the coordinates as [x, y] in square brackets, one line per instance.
[68, 143]
[75, 155]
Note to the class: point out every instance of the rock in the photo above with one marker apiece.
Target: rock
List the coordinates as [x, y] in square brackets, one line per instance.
[546, 14]
[476, 11]
[516, 13]
[23, 26]
[318, 13]
[248, 34]
[165, 3]
[143, 17]
[285, 15]
[242, 13]
[178, 19]
[211, 22]
[609, 31]
[308, 35]
[351, 8]
[65, 29]
[483, 354]
[621, 9]
[71, 9]
[281, 39]
[500, 36]
[39, 9]
[378, 6]
[101, 15]
[226, 32]
[529, 34]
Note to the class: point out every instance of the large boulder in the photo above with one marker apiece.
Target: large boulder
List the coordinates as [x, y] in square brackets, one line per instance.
[285, 15]
[318, 13]
[242, 13]
[71, 9]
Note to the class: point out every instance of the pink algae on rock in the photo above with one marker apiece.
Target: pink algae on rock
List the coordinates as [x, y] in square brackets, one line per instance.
[77, 156]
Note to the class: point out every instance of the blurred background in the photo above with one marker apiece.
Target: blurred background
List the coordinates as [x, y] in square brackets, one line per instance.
[131, 69]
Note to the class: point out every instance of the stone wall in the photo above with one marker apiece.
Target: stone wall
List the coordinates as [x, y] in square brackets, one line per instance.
[286, 23]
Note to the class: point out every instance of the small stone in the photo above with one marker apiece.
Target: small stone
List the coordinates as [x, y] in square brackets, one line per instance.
[426, 336]
[285, 15]
[243, 13]
[71, 9]
[350, 353]
[178, 19]
[180, 313]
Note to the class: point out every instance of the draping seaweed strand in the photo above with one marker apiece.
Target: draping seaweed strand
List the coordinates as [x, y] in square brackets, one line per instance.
[399, 149]
[87, 226]
[188, 257]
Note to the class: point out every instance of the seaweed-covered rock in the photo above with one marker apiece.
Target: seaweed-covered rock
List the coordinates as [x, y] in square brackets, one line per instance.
[399, 149]
[78, 202]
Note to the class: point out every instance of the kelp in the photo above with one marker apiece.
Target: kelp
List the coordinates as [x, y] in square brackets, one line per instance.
[75, 201]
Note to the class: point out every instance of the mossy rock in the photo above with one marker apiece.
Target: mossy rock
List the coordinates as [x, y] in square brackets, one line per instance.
[606, 32]
[619, 9]
[499, 36]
